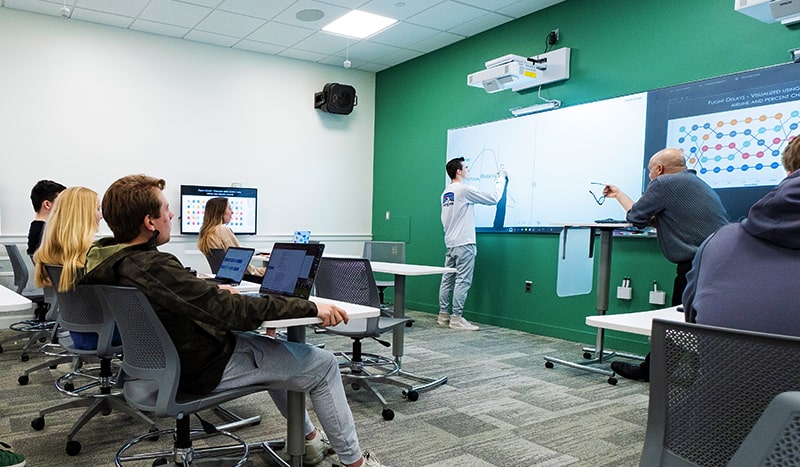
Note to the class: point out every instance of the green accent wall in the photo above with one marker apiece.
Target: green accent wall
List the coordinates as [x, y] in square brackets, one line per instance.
[618, 48]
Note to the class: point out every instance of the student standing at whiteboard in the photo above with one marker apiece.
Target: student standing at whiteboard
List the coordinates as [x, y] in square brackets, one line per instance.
[458, 220]
[684, 210]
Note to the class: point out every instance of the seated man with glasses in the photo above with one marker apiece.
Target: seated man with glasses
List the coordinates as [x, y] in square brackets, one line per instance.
[684, 210]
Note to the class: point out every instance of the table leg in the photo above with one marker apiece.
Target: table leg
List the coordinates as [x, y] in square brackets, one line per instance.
[603, 283]
[296, 406]
[398, 341]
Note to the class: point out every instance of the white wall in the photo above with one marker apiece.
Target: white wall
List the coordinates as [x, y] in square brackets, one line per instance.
[84, 104]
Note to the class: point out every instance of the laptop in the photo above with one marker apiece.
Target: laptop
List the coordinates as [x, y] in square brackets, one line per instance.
[233, 266]
[292, 269]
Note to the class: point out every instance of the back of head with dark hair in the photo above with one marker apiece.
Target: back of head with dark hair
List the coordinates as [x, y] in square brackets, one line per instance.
[128, 200]
[45, 190]
[453, 166]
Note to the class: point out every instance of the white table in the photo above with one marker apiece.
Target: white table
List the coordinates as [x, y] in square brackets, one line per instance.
[296, 332]
[400, 271]
[635, 323]
[603, 283]
[13, 307]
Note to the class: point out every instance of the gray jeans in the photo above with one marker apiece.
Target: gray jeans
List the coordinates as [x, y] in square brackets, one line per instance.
[457, 284]
[289, 366]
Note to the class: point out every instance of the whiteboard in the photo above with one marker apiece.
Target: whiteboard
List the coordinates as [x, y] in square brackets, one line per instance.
[553, 159]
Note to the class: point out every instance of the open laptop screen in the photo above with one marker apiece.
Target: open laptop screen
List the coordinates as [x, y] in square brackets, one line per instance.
[292, 269]
[234, 264]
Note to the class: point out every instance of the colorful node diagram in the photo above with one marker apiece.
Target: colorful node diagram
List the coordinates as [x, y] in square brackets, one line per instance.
[736, 148]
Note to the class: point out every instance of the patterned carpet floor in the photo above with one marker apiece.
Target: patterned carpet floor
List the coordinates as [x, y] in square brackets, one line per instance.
[500, 407]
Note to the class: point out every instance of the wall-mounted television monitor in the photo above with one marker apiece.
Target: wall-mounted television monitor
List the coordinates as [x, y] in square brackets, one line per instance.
[243, 201]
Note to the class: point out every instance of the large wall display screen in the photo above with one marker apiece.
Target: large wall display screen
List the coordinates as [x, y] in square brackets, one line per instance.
[243, 202]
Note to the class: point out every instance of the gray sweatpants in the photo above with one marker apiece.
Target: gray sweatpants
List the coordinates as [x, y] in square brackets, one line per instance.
[289, 366]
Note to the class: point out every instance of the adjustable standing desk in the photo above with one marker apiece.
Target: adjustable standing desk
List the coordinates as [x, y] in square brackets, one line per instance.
[400, 271]
[603, 283]
[296, 332]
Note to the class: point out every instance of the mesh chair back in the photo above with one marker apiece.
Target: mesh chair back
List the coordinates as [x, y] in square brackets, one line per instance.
[214, 259]
[347, 280]
[150, 354]
[708, 387]
[773, 440]
[387, 252]
[80, 310]
[21, 274]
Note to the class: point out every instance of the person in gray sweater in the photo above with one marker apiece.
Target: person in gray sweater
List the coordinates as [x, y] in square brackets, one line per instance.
[684, 210]
[744, 276]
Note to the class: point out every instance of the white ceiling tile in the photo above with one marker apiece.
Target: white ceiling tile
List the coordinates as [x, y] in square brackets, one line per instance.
[159, 28]
[130, 8]
[35, 6]
[175, 13]
[207, 3]
[324, 43]
[436, 42]
[229, 24]
[108, 19]
[266, 9]
[398, 10]
[446, 15]
[403, 34]
[526, 7]
[398, 56]
[280, 34]
[331, 12]
[260, 47]
[302, 55]
[369, 51]
[424, 25]
[210, 38]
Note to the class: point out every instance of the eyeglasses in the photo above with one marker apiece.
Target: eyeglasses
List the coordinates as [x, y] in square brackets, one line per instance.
[600, 200]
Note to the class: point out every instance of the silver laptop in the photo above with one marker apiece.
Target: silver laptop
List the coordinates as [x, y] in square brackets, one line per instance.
[292, 269]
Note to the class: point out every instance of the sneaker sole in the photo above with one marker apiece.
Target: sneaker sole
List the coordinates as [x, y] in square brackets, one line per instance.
[462, 328]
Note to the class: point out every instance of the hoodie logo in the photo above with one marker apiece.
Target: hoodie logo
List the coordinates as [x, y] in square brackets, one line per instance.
[448, 199]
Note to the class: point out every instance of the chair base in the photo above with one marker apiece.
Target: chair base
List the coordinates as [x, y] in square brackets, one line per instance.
[239, 452]
[362, 370]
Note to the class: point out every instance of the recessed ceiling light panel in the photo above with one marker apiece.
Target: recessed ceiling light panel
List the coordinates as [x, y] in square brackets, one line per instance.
[359, 24]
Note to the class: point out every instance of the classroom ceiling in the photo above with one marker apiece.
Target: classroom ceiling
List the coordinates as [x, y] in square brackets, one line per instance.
[290, 28]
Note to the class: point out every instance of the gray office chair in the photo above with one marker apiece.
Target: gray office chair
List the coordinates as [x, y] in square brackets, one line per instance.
[387, 252]
[351, 280]
[708, 387]
[80, 310]
[773, 441]
[151, 372]
[40, 328]
[214, 259]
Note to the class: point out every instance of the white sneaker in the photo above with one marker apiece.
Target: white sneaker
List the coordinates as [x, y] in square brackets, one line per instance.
[316, 449]
[443, 319]
[458, 322]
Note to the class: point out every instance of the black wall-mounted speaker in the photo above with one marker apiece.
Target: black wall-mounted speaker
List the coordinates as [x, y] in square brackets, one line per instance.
[336, 98]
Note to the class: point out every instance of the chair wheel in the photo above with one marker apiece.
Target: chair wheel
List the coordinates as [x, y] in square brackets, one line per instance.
[355, 386]
[42, 340]
[409, 323]
[548, 364]
[38, 423]
[106, 411]
[1, 349]
[388, 414]
[23, 380]
[53, 367]
[73, 448]
[160, 461]
[24, 357]
[155, 436]
[612, 381]
[587, 355]
[69, 386]
[411, 395]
